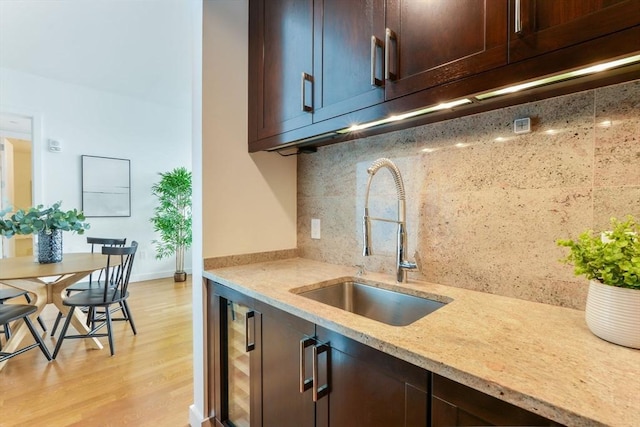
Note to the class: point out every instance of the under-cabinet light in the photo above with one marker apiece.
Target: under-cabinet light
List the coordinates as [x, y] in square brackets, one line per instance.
[403, 116]
[560, 77]
[487, 95]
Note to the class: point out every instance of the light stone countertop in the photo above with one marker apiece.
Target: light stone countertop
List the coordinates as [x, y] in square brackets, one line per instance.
[539, 357]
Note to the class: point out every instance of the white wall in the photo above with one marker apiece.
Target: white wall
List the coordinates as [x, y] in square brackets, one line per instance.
[248, 201]
[198, 410]
[91, 122]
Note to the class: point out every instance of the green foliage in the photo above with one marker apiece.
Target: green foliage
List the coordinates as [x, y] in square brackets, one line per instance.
[37, 219]
[172, 217]
[611, 257]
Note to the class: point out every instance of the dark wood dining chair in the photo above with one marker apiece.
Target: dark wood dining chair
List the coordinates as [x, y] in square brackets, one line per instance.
[8, 294]
[13, 312]
[96, 244]
[117, 275]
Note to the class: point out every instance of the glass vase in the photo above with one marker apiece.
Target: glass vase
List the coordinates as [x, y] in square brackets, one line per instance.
[49, 246]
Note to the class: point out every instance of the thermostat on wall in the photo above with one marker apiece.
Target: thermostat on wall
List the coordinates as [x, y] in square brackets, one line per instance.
[55, 146]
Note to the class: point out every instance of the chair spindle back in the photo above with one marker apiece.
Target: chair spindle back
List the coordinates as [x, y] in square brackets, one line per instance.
[118, 275]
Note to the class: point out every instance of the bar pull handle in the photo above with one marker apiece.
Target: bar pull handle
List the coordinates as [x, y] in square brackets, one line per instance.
[375, 44]
[319, 391]
[305, 383]
[306, 78]
[517, 17]
[389, 36]
[249, 345]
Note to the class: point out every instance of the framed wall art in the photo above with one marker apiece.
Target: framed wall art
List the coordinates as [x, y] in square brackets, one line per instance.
[106, 186]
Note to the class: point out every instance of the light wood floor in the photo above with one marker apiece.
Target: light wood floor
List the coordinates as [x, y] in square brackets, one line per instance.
[148, 382]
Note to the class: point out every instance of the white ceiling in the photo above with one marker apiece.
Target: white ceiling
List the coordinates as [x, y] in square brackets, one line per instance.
[137, 48]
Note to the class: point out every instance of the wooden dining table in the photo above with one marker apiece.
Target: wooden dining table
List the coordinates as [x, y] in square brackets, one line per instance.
[47, 282]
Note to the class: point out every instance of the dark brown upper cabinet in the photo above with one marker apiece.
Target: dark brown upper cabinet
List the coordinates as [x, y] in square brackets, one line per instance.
[281, 65]
[348, 56]
[434, 42]
[319, 66]
[541, 26]
[313, 60]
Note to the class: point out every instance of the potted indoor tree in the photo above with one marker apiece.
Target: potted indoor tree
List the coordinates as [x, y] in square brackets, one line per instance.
[611, 261]
[172, 217]
[48, 224]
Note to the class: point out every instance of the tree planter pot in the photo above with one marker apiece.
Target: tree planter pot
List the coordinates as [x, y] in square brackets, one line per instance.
[613, 314]
[50, 247]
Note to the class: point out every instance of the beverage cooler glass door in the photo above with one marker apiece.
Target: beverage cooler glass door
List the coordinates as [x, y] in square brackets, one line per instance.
[238, 361]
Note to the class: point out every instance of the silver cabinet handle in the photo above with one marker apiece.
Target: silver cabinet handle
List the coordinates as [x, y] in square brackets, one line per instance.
[306, 77]
[517, 17]
[319, 391]
[305, 383]
[389, 35]
[249, 346]
[375, 44]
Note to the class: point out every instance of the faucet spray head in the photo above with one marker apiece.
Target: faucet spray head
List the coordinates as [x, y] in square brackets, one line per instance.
[366, 234]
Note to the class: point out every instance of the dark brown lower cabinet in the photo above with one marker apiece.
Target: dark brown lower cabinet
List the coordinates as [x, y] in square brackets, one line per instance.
[454, 404]
[269, 368]
[283, 404]
[368, 388]
[312, 376]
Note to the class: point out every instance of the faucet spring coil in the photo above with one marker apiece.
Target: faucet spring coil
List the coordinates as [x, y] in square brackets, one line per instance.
[395, 172]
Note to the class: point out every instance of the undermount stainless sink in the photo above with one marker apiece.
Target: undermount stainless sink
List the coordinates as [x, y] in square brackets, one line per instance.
[386, 306]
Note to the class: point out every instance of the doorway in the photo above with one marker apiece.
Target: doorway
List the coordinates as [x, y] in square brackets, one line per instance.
[16, 176]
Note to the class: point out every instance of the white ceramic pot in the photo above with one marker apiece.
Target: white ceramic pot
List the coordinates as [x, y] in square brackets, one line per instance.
[613, 314]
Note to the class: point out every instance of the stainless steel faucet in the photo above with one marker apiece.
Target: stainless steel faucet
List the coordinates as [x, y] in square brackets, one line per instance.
[402, 265]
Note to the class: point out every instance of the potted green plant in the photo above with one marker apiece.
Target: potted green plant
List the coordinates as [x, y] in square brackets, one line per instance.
[611, 261]
[172, 217]
[48, 224]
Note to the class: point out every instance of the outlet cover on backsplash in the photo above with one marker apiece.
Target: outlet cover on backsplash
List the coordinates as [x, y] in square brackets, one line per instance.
[315, 228]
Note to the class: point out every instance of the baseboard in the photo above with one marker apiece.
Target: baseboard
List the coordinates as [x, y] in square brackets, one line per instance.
[154, 275]
[196, 419]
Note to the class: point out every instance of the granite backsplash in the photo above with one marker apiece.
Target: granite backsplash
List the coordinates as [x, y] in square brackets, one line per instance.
[484, 205]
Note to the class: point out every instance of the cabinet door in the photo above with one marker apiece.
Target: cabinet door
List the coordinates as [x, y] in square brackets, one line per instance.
[286, 367]
[367, 388]
[348, 56]
[540, 26]
[454, 404]
[438, 41]
[281, 44]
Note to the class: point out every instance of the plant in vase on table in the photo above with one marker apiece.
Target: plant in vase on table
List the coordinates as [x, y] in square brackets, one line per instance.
[611, 261]
[48, 224]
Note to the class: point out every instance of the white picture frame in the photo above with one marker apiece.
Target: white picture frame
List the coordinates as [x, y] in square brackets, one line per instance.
[106, 187]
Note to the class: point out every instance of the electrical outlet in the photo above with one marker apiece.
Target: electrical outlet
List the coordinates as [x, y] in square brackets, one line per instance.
[315, 228]
[522, 125]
